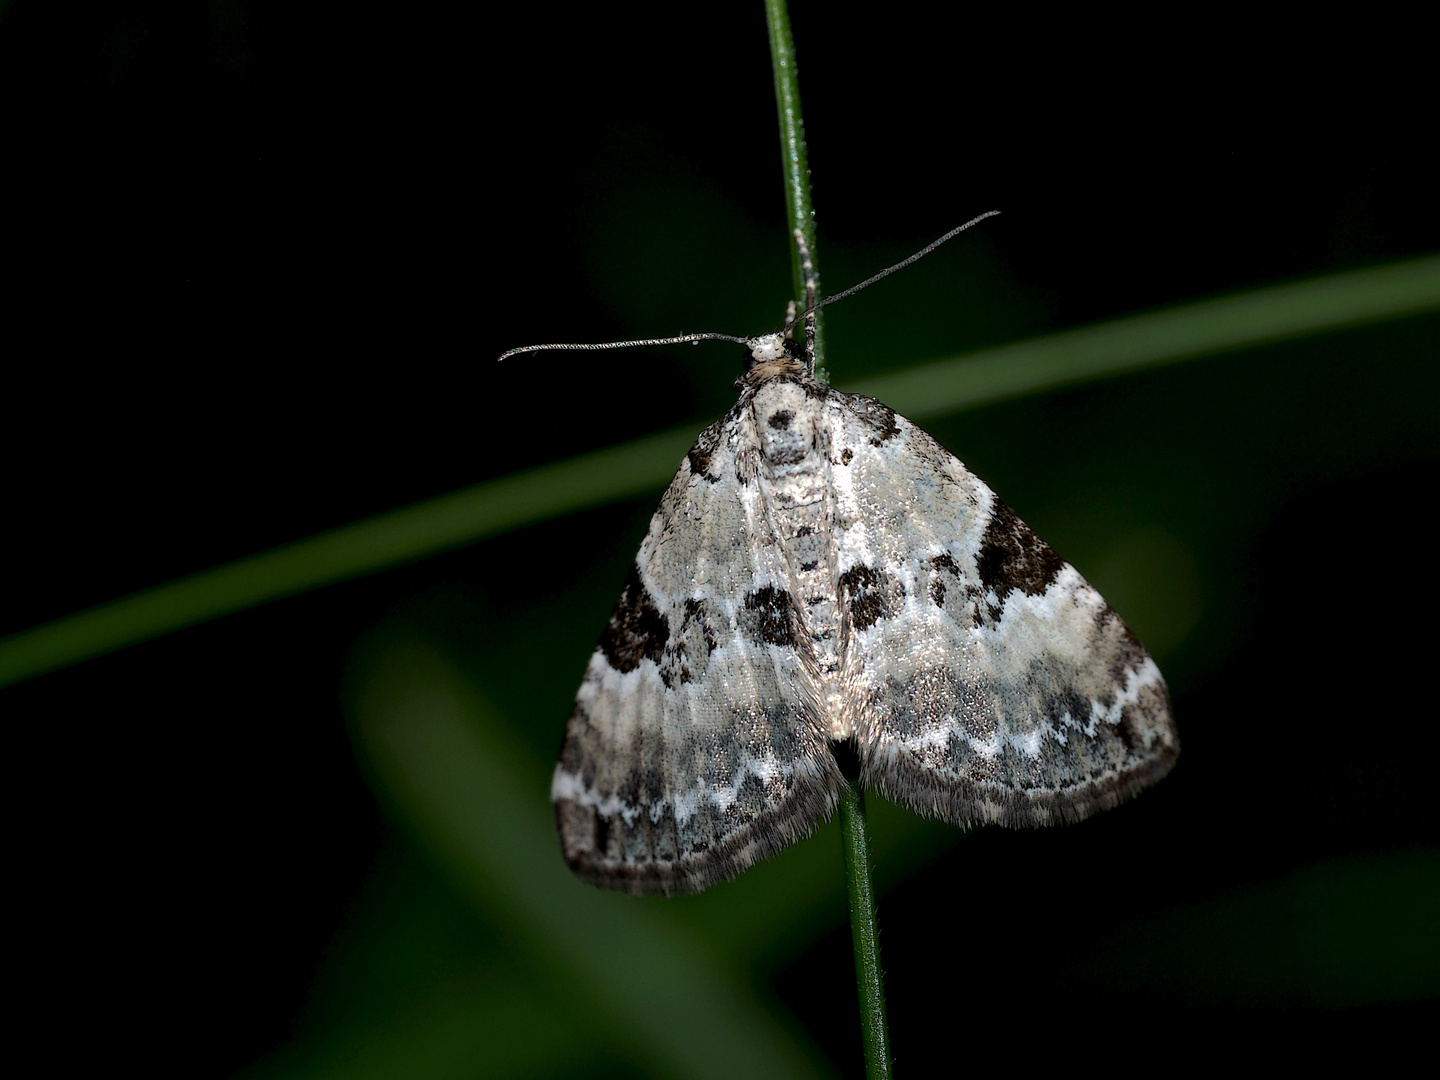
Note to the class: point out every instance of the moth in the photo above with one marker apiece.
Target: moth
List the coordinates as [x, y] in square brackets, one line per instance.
[822, 573]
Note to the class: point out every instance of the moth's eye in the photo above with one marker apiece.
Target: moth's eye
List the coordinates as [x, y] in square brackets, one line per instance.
[794, 349]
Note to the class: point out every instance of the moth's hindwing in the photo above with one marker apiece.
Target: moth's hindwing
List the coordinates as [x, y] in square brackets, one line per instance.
[994, 684]
[695, 748]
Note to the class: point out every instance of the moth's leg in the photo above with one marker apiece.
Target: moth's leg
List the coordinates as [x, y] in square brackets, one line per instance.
[808, 267]
[810, 295]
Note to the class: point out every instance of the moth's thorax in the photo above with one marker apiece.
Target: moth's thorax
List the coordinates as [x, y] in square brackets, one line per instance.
[787, 422]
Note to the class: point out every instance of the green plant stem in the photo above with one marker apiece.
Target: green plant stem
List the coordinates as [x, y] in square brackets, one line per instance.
[869, 978]
[799, 210]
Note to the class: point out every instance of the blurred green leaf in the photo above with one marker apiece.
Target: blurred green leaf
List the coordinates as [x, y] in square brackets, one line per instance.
[1186, 332]
[506, 1032]
[438, 753]
[1342, 933]
[400, 536]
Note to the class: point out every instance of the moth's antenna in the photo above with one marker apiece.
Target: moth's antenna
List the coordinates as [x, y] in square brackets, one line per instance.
[811, 306]
[627, 344]
[809, 312]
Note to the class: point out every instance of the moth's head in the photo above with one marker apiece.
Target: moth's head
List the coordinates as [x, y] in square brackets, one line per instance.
[771, 355]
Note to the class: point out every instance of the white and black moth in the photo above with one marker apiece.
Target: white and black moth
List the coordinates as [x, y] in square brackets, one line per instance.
[822, 570]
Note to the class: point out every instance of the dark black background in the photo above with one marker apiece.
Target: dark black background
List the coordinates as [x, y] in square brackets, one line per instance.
[261, 256]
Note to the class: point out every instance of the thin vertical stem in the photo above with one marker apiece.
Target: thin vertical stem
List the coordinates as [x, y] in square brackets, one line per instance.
[869, 979]
[799, 210]
[801, 214]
